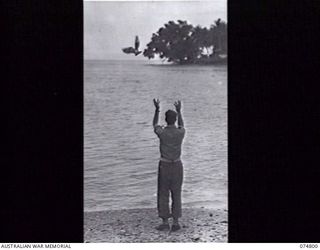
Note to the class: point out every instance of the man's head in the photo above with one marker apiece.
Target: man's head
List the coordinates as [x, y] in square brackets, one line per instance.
[171, 117]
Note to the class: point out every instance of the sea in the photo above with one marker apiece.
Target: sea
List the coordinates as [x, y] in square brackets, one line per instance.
[121, 151]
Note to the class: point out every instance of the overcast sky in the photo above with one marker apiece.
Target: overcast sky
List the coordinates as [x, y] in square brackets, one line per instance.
[110, 26]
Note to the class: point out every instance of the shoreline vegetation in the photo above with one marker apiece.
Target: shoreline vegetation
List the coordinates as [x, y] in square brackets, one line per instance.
[182, 43]
[138, 225]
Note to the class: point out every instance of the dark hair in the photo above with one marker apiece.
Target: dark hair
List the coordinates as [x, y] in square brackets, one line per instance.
[171, 117]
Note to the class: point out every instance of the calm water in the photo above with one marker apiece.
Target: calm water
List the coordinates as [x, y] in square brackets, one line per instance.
[120, 149]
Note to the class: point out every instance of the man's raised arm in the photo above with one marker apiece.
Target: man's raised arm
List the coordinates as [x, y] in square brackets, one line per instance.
[178, 109]
[156, 103]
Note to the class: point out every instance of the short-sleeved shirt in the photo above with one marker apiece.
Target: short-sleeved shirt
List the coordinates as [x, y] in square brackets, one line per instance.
[171, 139]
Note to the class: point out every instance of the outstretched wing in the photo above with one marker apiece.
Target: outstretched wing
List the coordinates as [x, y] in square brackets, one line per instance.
[136, 43]
[128, 50]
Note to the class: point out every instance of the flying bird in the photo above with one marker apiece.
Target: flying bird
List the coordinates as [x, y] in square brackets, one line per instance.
[135, 50]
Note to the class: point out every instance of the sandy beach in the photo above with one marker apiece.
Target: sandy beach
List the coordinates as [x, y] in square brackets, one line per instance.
[138, 225]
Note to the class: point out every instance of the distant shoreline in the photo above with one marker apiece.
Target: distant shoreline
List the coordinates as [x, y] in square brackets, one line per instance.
[138, 225]
[159, 62]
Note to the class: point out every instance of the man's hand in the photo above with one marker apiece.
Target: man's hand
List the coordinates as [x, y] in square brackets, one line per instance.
[156, 103]
[177, 104]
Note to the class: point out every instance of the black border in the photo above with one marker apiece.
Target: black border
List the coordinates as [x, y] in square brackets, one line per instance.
[273, 118]
[42, 174]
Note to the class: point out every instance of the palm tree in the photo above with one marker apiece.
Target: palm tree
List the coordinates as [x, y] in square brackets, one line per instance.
[182, 43]
[218, 33]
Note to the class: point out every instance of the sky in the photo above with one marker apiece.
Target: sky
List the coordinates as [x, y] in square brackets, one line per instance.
[110, 26]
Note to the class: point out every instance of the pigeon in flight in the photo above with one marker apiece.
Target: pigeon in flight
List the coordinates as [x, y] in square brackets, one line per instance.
[131, 50]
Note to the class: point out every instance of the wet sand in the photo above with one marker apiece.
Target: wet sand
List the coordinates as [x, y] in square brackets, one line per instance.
[138, 225]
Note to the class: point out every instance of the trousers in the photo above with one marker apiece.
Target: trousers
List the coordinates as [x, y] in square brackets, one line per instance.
[170, 178]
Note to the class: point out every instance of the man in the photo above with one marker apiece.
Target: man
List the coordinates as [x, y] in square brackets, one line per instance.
[170, 173]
